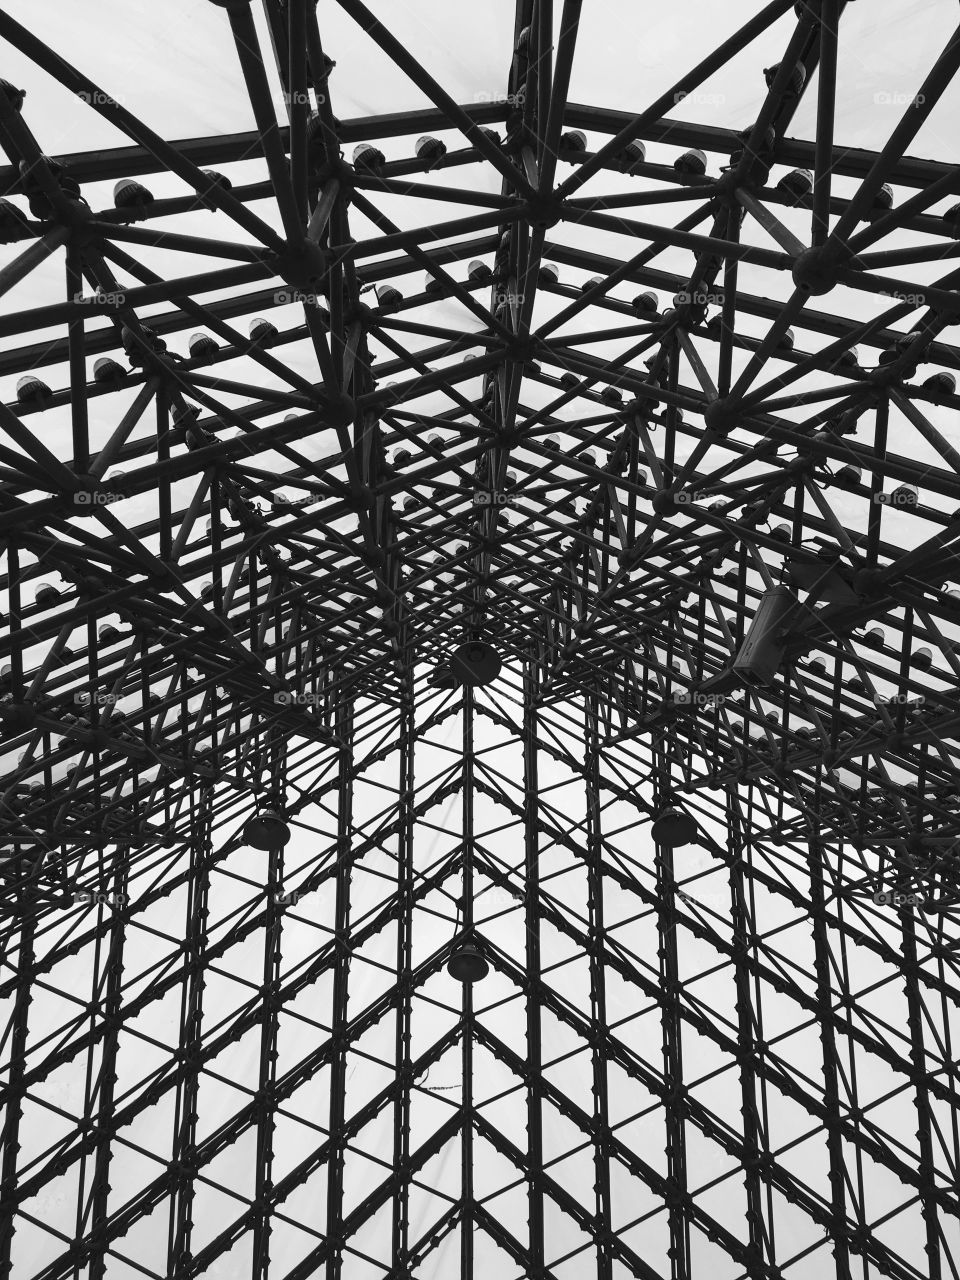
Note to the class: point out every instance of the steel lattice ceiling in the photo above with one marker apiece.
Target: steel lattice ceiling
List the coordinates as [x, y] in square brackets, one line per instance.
[295, 410]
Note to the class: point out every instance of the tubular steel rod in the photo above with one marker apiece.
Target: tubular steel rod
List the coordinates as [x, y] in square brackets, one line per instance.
[534, 1035]
[466, 1052]
[338, 1058]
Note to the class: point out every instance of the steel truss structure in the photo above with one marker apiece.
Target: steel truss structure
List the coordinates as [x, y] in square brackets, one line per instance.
[597, 389]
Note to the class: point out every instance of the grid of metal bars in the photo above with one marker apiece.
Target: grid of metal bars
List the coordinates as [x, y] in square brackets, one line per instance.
[267, 537]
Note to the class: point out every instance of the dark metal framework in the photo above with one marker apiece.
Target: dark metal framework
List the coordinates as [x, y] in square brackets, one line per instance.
[738, 1062]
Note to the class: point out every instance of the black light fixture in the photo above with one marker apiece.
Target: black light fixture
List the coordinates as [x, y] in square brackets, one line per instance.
[467, 965]
[266, 830]
[475, 663]
[763, 646]
[443, 677]
[673, 827]
[17, 716]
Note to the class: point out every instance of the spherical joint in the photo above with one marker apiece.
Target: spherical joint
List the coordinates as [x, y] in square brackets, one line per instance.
[886, 375]
[867, 582]
[76, 213]
[720, 416]
[522, 350]
[303, 266]
[544, 213]
[339, 412]
[665, 503]
[815, 271]
[725, 187]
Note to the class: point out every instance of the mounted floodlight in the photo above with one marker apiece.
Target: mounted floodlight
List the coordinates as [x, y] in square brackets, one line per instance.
[693, 161]
[261, 329]
[108, 372]
[202, 346]
[430, 149]
[922, 658]
[128, 194]
[646, 303]
[849, 473]
[574, 140]
[798, 182]
[762, 650]
[633, 153]
[388, 295]
[366, 156]
[33, 391]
